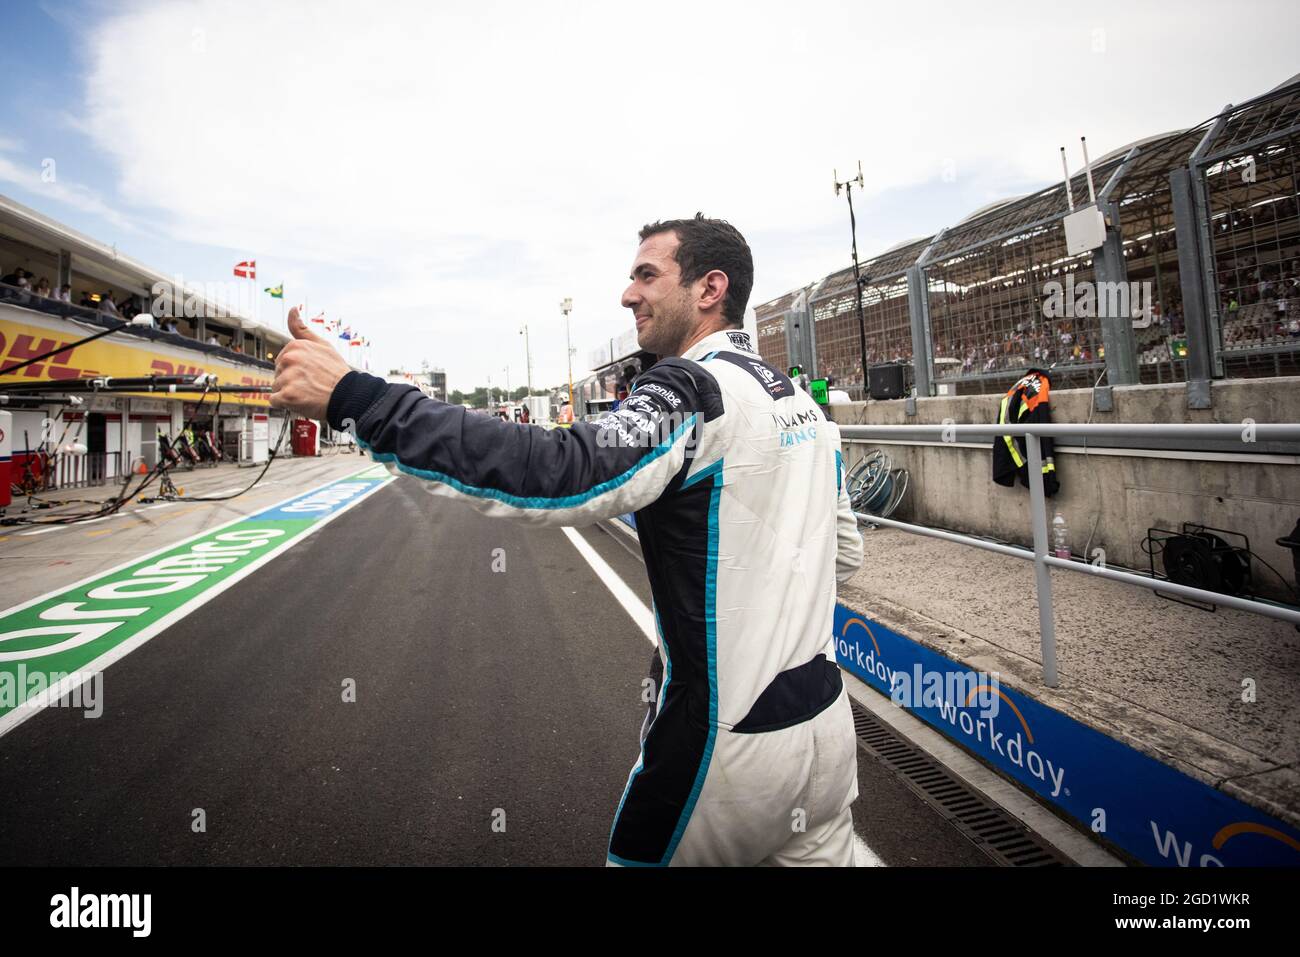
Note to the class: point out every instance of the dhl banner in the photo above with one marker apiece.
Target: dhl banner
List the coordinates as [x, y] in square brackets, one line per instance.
[119, 354]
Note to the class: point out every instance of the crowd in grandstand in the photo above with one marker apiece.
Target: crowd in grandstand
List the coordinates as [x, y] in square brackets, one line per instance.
[29, 289]
[1261, 303]
[1259, 274]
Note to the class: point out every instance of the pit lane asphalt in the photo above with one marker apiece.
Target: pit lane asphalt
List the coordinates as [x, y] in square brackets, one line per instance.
[481, 697]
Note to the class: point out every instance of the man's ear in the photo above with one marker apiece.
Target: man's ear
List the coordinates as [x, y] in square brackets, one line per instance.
[715, 288]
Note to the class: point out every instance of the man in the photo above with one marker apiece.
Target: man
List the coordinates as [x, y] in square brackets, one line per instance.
[748, 753]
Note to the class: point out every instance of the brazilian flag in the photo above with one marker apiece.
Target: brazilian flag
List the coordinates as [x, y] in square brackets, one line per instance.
[276, 292]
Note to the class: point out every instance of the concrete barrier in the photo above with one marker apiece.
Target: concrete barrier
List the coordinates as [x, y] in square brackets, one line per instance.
[1248, 487]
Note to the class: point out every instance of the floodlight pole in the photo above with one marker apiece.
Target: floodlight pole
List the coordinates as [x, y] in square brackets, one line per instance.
[847, 185]
[566, 307]
[528, 358]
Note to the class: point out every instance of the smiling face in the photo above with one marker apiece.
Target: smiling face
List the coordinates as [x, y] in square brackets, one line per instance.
[665, 310]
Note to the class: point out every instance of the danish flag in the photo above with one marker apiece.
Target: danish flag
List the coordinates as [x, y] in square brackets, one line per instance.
[246, 270]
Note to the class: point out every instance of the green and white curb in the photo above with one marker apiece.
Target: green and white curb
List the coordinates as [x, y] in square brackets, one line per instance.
[52, 644]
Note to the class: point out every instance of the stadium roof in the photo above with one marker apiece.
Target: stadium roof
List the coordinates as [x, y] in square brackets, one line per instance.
[1127, 175]
[1284, 84]
[1255, 122]
[1140, 144]
[100, 260]
[990, 207]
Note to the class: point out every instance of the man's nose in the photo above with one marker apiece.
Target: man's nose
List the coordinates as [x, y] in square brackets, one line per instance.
[630, 298]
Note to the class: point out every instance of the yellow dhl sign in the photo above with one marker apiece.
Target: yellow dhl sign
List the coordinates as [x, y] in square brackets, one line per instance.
[115, 355]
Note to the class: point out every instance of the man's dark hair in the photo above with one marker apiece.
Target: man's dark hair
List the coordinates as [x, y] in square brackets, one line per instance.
[708, 244]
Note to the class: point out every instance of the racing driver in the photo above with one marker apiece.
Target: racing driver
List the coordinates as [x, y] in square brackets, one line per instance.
[748, 753]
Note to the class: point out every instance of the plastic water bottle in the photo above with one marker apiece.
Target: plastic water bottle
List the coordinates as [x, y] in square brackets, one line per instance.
[1060, 536]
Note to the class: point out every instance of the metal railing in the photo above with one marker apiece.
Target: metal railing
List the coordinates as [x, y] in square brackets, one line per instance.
[1043, 561]
[72, 470]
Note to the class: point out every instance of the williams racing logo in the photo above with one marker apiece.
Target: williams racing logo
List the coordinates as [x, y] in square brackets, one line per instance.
[797, 428]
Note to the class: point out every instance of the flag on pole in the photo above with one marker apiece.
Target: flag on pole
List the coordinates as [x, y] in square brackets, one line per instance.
[276, 292]
[320, 319]
[345, 334]
[246, 269]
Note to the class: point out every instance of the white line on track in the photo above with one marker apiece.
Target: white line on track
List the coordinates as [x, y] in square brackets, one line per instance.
[625, 596]
[43, 531]
[863, 855]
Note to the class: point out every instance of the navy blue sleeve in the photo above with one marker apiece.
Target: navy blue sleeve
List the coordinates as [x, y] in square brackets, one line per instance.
[563, 476]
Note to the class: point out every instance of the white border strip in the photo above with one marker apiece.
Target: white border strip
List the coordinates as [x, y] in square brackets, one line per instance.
[632, 604]
[23, 711]
[158, 551]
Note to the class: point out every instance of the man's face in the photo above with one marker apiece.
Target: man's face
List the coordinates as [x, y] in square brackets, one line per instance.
[664, 309]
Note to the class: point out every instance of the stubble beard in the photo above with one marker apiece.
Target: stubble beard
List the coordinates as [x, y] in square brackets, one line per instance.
[670, 326]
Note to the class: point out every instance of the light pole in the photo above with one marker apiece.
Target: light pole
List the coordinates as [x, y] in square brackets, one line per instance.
[857, 276]
[566, 307]
[528, 357]
[507, 370]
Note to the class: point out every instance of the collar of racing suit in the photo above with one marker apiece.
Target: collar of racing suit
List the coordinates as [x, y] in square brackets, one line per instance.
[730, 340]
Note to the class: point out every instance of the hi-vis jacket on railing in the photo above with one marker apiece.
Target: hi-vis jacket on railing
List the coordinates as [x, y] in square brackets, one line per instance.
[1028, 402]
[736, 480]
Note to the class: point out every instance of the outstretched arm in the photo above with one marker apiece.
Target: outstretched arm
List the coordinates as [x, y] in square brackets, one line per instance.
[571, 476]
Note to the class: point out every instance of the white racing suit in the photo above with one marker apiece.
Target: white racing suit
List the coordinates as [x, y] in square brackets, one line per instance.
[748, 754]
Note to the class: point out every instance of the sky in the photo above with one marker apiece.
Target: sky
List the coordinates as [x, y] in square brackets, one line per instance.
[439, 174]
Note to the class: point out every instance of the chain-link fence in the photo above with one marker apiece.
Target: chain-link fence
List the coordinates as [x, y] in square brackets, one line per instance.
[1198, 276]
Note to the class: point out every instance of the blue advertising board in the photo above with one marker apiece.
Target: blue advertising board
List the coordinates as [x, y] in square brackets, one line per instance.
[1158, 814]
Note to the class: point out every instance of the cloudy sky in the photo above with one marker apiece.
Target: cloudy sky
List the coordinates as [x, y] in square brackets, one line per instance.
[439, 173]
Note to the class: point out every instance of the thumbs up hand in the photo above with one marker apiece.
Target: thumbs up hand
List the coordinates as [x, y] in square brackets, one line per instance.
[306, 371]
[298, 328]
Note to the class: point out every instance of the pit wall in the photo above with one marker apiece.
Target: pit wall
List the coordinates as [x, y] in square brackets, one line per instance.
[1249, 487]
[1122, 797]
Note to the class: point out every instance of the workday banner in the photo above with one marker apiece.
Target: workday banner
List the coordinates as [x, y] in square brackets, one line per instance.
[1154, 812]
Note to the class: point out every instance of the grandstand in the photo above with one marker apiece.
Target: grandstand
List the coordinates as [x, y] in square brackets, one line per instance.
[119, 430]
[1208, 216]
